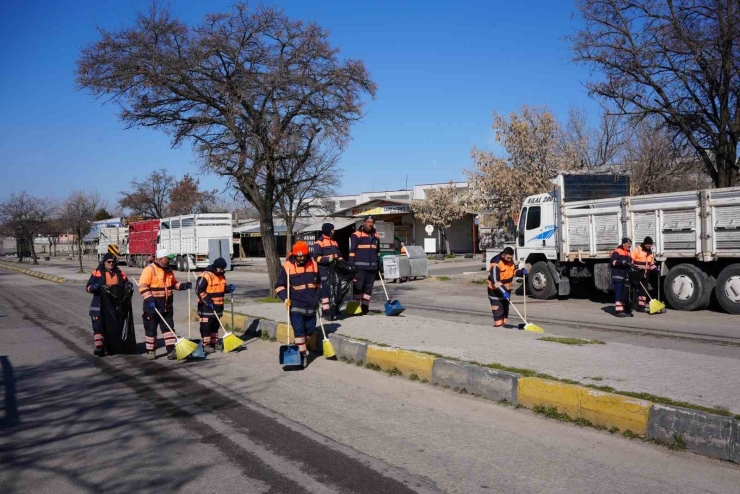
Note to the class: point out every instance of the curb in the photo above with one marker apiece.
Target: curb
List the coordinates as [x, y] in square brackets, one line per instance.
[37, 274]
[680, 428]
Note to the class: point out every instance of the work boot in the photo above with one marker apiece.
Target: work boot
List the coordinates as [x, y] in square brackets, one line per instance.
[219, 346]
[621, 314]
[304, 360]
[99, 352]
[151, 354]
[641, 309]
[365, 309]
[209, 349]
[172, 355]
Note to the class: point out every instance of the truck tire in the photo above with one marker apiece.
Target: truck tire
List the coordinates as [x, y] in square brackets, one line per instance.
[728, 288]
[687, 288]
[540, 282]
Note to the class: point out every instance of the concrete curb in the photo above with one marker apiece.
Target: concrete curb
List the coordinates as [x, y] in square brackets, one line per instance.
[36, 274]
[700, 432]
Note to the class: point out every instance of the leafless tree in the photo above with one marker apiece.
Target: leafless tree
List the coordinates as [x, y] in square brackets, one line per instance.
[657, 165]
[252, 89]
[24, 217]
[78, 212]
[678, 59]
[148, 198]
[590, 148]
[306, 192]
[186, 197]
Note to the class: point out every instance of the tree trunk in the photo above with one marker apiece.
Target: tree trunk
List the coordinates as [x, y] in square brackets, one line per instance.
[289, 236]
[79, 255]
[447, 241]
[267, 229]
[19, 249]
[33, 253]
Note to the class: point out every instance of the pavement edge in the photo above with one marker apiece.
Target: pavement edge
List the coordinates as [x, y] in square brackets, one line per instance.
[680, 428]
[36, 274]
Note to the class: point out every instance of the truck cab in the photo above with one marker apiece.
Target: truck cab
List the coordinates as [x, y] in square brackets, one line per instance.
[537, 226]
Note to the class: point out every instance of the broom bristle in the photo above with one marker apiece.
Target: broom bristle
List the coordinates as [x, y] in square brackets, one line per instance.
[184, 348]
[231, 342]
[328, 349]
[533, 328]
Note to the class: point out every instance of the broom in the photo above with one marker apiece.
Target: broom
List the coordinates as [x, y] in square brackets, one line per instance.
[655, 306]
[526, 326]
[229, 340]
[183, 347]
[328, 348]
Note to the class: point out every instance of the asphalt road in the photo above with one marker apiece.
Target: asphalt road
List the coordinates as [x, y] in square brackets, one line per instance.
[240, 423]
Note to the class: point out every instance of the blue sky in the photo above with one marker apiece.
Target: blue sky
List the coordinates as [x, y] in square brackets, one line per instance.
[441, 67]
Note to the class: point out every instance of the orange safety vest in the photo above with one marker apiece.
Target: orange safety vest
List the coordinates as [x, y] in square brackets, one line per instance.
[502, 272]
[642, 258]
[158, 282]
[214, 289]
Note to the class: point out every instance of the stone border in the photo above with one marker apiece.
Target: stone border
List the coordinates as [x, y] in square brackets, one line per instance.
[699, 432]
[37, 274]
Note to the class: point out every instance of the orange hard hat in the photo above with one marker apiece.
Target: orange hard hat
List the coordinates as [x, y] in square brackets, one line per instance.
[300, 248]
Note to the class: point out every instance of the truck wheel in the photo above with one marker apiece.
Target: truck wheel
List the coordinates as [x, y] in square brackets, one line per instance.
[540, 283]
[687, 288]
[728, 288]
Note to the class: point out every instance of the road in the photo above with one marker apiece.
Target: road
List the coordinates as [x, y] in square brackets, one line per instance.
[240, 423]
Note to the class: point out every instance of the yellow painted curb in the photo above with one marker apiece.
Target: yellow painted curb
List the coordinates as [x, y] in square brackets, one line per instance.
[281, 334]
[602, 409]
[36, 274]
[406, 361]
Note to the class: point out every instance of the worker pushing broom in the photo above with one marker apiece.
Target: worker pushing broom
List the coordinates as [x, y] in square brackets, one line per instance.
[501, 273]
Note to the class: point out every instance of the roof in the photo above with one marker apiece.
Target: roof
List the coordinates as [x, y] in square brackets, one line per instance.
[377, 207]
[278, 229]
[92, 236]
[338, 223]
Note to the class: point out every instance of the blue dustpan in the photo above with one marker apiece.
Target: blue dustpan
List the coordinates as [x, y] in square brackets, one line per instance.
[198, 352]
[290, 355]
[393, 308]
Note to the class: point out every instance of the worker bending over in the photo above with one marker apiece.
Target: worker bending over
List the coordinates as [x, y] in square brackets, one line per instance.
[156, 286]
[501, 273]
[211, 288]
[305, 286]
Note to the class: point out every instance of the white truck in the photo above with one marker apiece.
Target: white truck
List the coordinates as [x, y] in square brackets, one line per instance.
[567, 236]
[196, 239]
[115, 241]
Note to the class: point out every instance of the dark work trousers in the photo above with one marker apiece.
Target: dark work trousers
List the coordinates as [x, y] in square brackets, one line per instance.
[209, 327]
[151, 322]
[363, 288]
[500, 310]
[622, 301]
[304, 325]
[97, 325]
[325, 296]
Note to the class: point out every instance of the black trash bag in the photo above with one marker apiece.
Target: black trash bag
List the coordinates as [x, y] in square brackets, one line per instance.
[340, 279]
[117, 318]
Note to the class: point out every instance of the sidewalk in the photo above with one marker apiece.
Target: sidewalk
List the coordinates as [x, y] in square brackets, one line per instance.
[698, 379]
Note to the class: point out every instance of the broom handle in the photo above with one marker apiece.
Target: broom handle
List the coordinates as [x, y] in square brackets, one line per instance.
[517, 311]
[214, 312]
[160, 315]
[524, 294]
[189, 306]
[321, 321]
[232, 311]
[287, 307]
[383, 283]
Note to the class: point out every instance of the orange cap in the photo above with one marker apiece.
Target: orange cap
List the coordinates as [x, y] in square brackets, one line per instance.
[300, 248]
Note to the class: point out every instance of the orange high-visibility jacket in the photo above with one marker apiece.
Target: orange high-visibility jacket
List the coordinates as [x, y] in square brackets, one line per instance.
[157, 283]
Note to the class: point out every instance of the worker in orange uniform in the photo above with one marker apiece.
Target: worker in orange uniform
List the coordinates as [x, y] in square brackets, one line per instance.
[621, 263]
[644, 260]
[364, 254]
[211, 289]
[326, 251]
[501, 273]
[156, 286]
[305, 286]
[106, 274]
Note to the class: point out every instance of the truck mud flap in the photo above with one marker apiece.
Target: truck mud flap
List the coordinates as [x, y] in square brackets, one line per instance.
[564, 286]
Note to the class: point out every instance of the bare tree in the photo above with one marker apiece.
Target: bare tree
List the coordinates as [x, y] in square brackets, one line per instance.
[186, 197]
[657, 165]
[678, 59]
[24, 217]
[149, 198]
[306, 192]
[441, 208]
[78, 212]
[589, 148]
[252, 90]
